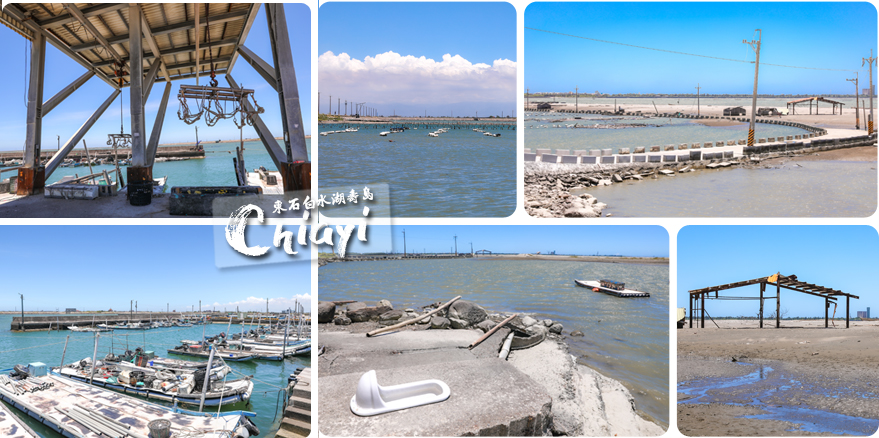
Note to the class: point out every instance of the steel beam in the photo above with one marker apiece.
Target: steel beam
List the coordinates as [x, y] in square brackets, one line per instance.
[94, 31]
[59, 97]
[702, 297]
[164, 30]
[59, 156]
[191, 75]
[151, 42]
[846, 304]
[150, 79]
[90, 11]
[153, 145]
[263, 68]
[138, 131]
[777, 305]
[288, 93]
[268, 140]
[175, 51]
[762, 289]
[35, 102]
[19, 15]
[826, 313]
[245, 30]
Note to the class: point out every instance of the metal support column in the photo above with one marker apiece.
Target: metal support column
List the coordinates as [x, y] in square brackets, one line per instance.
[59, 156]
[153, 145]
[296, 171]
[31, 177]
[50, 104]
[139, 173]
[151, 79]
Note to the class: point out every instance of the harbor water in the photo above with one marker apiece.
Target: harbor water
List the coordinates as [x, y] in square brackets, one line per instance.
[461, 173]
[47, 347]
[801, 189]
[551, 131]
[215, 169]
[627, 339]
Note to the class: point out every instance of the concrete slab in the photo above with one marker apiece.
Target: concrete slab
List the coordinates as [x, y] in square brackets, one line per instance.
[489, 397]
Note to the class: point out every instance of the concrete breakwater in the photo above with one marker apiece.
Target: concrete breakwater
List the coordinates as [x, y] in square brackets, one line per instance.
[555, 188]
[105, 153]
[62, 321]
[537, 390]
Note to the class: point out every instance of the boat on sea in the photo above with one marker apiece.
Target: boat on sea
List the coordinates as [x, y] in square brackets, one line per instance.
[384, 133]
[74, 328]
[197, 350]
[432, 134]
[183, 386]
[610, 287]
[73, 408]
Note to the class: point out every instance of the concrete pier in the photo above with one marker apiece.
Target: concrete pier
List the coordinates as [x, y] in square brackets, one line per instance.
[488, 395]
[297, 415]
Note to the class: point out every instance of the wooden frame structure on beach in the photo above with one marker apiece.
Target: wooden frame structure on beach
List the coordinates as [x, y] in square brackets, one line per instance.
[792, 105]
[183, 40]
[780, 282]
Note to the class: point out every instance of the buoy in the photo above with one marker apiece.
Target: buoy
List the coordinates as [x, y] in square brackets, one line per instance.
[595, 289]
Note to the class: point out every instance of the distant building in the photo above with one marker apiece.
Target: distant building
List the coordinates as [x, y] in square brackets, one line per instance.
[862, 314]
[544, 105]
[70, 310]
[866, 91]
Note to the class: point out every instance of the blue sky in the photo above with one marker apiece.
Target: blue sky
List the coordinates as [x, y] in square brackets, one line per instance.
[839, 257]
[820, 34]
[646, 241]
[479, 33]
[104, 267]
[65, 119]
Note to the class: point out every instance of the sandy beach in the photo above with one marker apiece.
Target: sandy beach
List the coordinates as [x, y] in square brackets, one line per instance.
[807, 367]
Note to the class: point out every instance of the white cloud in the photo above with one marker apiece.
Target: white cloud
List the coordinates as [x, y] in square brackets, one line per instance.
[259, 304]
[393, 78]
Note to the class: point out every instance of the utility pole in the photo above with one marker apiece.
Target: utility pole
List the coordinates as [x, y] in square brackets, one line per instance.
[456, 245]
[527, 97]
[698, 110]
[857, 109]
[576, 99]
[471, 248]
[338, 105]
[21, 321]
[756, 46]
[346, 107]
[870, 62]
[330, 109]
[404, 241]
[131, 309]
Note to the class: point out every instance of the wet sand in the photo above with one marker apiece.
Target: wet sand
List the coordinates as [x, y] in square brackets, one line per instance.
[833, 370]
[860, 153]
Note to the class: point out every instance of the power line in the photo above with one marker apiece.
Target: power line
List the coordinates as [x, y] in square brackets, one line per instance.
[681, 53]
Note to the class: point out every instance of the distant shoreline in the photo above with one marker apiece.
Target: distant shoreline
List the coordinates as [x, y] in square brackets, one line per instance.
[205, 143]
[579, 258]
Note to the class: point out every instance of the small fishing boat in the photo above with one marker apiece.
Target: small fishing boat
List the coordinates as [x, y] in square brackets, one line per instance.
[183, 388]
[196, 350]
[610, 287]
[384, 133]
[432, 134]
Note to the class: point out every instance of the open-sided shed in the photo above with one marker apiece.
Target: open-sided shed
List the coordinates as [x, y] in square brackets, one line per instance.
[137, 45]
[789, 282]
[792, 105]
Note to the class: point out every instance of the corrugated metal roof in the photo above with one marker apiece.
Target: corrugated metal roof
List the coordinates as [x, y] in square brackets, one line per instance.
[221, 26]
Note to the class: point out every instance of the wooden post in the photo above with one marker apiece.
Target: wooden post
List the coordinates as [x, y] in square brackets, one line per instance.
[846, 308]
[777, 304]
[491, 332]
[414, 320]
[702, 296]
[63, 353]
[691, 310]
[762, 289]
[826, 310]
